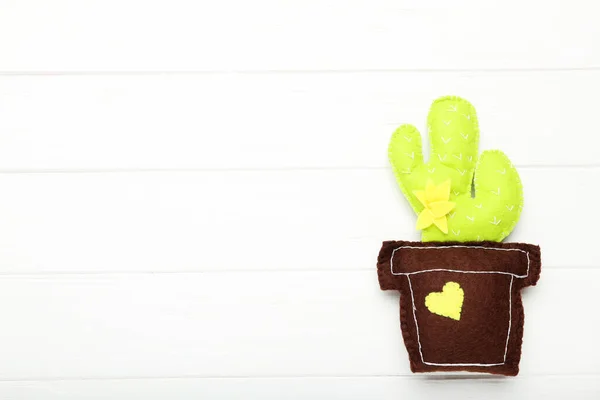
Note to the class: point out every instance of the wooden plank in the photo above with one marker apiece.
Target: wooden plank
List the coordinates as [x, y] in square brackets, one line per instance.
[254, 324]
[300, 388]
[134, 35]
[290, 220]
[224, 121]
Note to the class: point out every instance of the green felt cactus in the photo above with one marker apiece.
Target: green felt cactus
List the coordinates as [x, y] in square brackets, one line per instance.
[454, 135]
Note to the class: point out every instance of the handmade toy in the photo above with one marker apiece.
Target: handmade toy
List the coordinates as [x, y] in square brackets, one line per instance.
[460, 303]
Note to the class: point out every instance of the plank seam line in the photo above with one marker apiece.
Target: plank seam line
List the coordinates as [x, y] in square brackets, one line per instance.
[253, 169]
[43, 275]
[216, 377]
[295, 71]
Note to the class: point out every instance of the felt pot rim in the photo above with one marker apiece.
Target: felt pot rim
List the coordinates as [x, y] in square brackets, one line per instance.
[522, 261]
[514, 261]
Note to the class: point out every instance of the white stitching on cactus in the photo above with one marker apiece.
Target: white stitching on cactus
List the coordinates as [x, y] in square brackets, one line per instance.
[451, 215]
[459, 156]
[462, 171]
[452, 109]
[410, 155]
[409, 133]
[478, 205]
[510, 208]
[497, 192]
[446, 141]
[511, 166]
[495, 221]
[431, 171]
[456, 193]
[456, 233]
[470, 218]
[503, 172]
[447, 122]
[412, 297]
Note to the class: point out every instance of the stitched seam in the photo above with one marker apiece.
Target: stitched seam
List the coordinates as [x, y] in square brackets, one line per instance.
[473, 114]
[414, 307]
[511, 227]
[509, 316]
[412, 296]
[454, 270]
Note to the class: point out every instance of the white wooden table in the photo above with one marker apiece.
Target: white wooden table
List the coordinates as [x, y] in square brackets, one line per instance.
[193, 194]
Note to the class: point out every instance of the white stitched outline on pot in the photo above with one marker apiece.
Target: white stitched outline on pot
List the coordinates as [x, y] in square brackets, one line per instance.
[455, 270]
[512, 278]
[414, 307]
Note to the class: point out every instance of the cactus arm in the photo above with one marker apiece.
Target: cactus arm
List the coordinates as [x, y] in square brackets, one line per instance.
[405, 153]
[454, 138]
[498, 186]
[494, 211]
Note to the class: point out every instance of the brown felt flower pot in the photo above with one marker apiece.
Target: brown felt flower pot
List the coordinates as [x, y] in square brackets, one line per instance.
[478, 325]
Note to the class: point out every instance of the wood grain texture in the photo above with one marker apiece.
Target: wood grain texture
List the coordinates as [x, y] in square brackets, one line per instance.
[247, 220]
[193, 194]
[281, 120]
[136, 35]
[253, 324]
[300, 388]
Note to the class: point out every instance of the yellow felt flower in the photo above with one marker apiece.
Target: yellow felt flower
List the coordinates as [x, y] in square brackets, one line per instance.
[435, 200]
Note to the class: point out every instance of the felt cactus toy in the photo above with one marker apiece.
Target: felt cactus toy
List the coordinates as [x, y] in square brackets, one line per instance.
[454, 134]
[460, 303]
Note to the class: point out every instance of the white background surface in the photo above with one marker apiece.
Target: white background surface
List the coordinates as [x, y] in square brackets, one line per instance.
[193, 194]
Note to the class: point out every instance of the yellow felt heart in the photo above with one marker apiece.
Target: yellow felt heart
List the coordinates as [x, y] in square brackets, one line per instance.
[448, 302]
